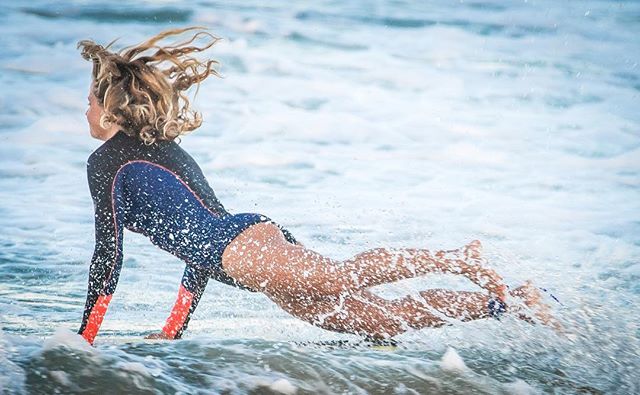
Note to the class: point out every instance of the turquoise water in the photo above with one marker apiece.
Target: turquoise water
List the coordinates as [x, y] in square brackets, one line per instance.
[356, 125]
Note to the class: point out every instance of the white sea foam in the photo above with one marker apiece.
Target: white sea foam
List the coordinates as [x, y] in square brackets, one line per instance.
[520, 387]
[61, 377]
[283, 386]
[452, 362]
[135, 367]
[63, 337]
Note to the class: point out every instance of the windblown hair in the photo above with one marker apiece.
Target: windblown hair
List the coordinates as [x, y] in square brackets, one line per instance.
[145, 94]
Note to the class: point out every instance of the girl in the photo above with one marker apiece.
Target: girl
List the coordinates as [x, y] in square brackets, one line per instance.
[140, 179]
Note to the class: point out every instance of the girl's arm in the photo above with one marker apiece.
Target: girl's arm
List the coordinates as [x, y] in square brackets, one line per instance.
[107, 255]
[194, 281]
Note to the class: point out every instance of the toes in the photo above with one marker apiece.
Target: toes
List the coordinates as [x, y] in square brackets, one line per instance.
[476, 244]
[524, 289]
[473, 250]
[529, 294]
[517, 292]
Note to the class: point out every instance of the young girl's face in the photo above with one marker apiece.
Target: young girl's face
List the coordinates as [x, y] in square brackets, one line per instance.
[94, 113]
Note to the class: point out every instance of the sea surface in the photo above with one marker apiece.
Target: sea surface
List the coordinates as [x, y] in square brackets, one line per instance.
[355, 124]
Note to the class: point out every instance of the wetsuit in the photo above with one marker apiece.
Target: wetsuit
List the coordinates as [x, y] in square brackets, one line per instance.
[157, 190]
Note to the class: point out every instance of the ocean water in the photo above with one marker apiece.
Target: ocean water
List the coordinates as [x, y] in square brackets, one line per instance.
[356, 125]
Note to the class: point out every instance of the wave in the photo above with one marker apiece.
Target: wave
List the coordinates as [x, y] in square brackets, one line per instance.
[112, 14]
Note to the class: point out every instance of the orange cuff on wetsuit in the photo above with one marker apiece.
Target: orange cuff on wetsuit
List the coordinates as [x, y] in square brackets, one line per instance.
[179, 314]
[95, 318]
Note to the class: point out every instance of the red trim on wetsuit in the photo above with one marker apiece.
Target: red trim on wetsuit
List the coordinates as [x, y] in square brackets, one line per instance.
[198, 198]
[179, 313]
[95, 319]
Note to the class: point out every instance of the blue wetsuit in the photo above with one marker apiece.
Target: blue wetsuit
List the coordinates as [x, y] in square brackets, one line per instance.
[157, 190]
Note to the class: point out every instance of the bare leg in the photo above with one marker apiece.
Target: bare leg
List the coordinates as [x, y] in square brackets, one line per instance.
[262, 259]
[333, 295]
[381, 266]
[459, 305]
[532, 299]
[368, 315]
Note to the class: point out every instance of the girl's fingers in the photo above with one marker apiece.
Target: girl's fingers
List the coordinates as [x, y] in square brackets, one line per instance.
[158, 335]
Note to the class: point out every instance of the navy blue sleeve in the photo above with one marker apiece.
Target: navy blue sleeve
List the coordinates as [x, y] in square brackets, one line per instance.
[107, 255]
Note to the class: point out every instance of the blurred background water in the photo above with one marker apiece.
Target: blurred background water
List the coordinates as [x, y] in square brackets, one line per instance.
[354, 124]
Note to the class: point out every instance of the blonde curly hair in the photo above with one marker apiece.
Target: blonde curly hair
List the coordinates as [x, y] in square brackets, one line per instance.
[145, 94]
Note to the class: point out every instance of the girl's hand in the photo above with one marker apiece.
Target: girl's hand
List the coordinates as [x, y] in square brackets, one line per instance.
[158, 336]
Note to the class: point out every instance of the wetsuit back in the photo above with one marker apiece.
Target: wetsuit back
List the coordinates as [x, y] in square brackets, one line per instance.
[157, 190]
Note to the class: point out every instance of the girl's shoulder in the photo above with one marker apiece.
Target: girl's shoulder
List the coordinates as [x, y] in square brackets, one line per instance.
[122, 149]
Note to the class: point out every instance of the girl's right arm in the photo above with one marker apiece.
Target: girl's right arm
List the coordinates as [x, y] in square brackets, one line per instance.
[107, 255]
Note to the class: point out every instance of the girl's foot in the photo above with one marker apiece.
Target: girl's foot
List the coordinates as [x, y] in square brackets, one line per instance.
[484, 276]
[473, 250]
[532, 298]
[469, 262]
